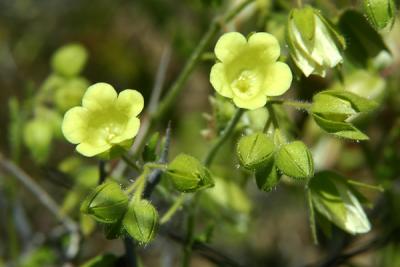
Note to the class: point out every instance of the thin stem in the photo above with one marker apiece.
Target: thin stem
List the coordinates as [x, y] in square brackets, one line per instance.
[360, 184]
[173, 209]
[47, 201]
[299, 3]
[130, 252]
[291, 103]
[195, 57]
[154, 165]
[223, 137]
[313, 225]
[130, 163]
[102, 171]
[272, 115]
[190, 225]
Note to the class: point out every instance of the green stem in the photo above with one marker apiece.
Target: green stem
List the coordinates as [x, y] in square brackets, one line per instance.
[190, 225]
[272, 115]
[173, 209]
[291, 103]
[154, 165]
[130, 163]
[194, 58]
[223, 137]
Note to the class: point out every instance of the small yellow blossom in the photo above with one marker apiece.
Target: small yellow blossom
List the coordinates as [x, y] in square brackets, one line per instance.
[248, 72]
[104, 121]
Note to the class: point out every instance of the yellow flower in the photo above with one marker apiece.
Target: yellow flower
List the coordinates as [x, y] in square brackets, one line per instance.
[248, 72]
[104, 121]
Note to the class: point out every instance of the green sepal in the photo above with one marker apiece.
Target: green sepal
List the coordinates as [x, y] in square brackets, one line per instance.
[336, 201]
[107, 203]
[267, 178]
[114, 230]
[149, 151]
[380, 13]
[358, 103]
[339, 128]
[295, 160]
[141, 220]
[188, 174]
[254, 150]
[305, 21]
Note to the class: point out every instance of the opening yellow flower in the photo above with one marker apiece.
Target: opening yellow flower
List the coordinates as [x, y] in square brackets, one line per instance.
[248, 71]
[104, 121]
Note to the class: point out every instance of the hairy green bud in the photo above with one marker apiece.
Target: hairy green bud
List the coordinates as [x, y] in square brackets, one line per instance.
[255, 150]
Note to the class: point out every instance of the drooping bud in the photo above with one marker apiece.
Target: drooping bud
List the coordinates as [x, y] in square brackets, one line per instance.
[107, 203]
[255, 150]
[188, 174]
[315, 45]
[38, 134]
[141, 220]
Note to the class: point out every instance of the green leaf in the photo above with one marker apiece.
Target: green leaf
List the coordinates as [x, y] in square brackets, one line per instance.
[188, 174]
[338, 128]
[107, 203]
[305, 21]
[380, 13]
[141, 221]
[363, 41]
[255, 150]
[295, 160]
[267, 178]
[335, 200]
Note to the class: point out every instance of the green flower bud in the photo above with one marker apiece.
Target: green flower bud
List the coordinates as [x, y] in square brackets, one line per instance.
[314, 44]
[141, 221]
[295, 160]
[70, 93]
[380, 13]
[114, 230]
[255, 150]
[69, 60]
[188, 174]
[107, 203]
[267, 178]
[38, 134]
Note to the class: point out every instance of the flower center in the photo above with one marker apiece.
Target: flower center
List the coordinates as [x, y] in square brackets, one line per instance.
[111, 131]
[246, 85]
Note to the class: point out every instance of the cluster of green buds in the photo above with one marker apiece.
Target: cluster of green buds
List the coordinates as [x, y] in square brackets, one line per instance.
[315, 45]
[110, 205]
[265, 155]
[333, 109]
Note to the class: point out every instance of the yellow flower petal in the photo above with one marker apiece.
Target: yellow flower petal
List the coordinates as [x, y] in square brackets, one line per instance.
[229, 45]
[266, 45]
[130, 131]
[99, 96]
[90, 150]
[257, 102]
[278, 79]
[130, 102]
[74, 124]
[219, 81]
